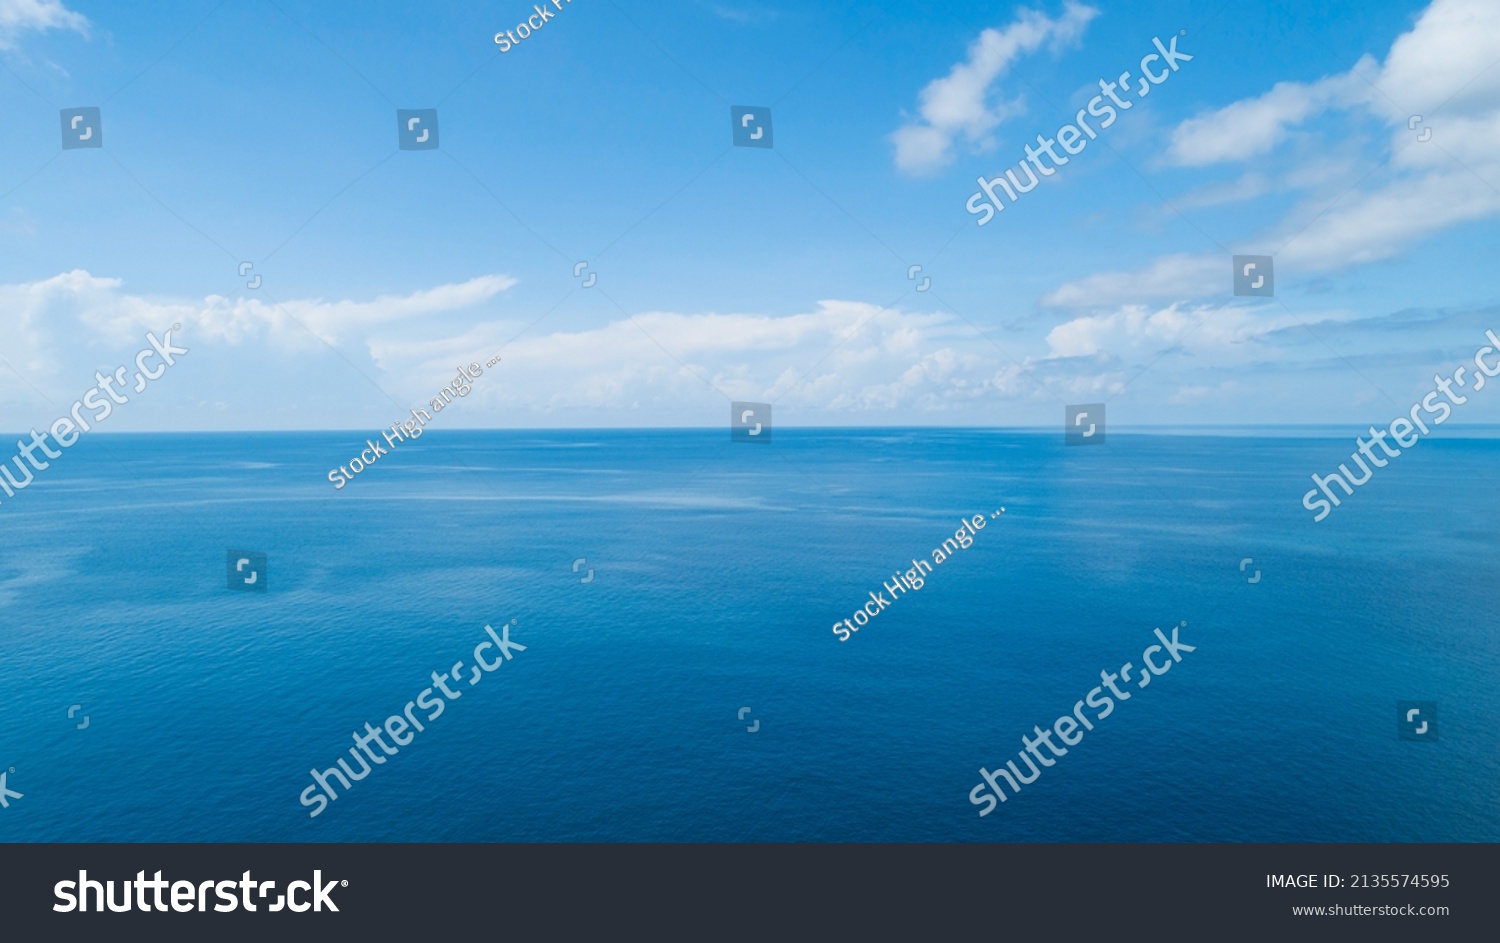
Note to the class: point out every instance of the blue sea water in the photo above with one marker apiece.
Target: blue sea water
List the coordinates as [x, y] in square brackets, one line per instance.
[719, 570]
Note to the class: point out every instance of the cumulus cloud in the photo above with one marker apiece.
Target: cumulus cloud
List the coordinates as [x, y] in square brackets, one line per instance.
[1441, 69]
[1140, 330]
[19, 16]
[1445, 61]
[23, 314]
[43, 321]
[960, 103]
[845, 357]
[839, 361]
[1446, 58]
[842, 356]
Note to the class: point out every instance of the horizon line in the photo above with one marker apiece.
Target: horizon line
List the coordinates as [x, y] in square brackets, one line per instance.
[1133, 428]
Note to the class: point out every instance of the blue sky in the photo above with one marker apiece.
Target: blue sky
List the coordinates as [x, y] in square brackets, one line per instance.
[261, 132]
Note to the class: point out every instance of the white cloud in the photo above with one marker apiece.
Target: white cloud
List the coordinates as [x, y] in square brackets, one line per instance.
[1446, 60]
[42, 321]
[1443, 69]
[334, 322]
[1372, 226]
[31, 312]
[1448, 56]
[1255, 126]
[839, 362]
[1135, 329]
[18, 16]
[959, 103]
[845, 357]
[850, 355]
[1172, 276]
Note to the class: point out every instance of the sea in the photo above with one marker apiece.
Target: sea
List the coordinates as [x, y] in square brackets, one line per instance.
[676, 594]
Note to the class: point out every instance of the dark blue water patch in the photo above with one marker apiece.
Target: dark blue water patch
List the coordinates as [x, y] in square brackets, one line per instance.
[719, 571]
